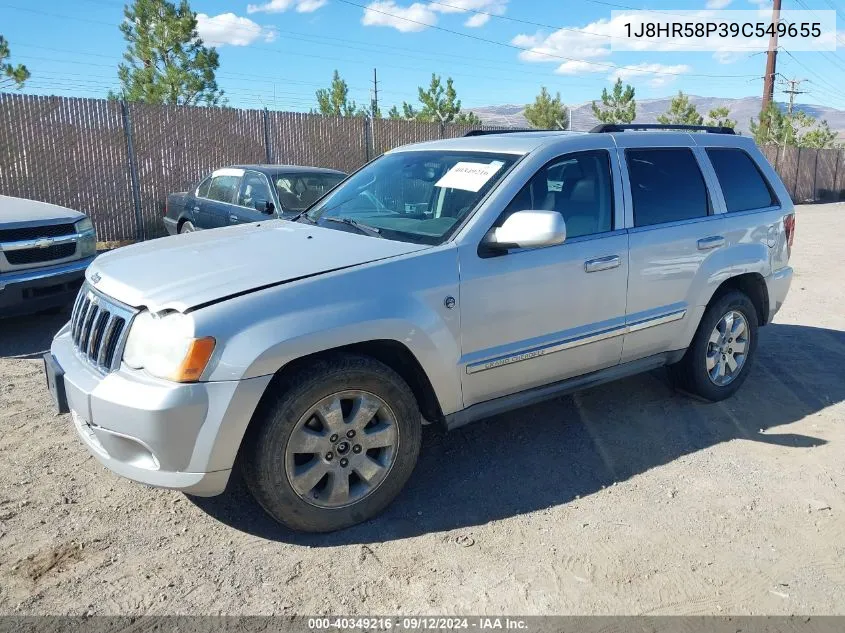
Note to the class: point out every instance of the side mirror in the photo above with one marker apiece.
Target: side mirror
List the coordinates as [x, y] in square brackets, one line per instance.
[528, 229]
[265, 206]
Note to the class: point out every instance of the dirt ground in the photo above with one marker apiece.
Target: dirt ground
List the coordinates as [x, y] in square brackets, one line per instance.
[623, 499]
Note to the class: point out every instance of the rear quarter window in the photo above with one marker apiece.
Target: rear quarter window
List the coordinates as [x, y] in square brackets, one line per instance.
[742, 183]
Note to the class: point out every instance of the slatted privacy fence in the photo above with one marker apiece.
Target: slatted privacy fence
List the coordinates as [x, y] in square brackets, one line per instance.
[117, 162]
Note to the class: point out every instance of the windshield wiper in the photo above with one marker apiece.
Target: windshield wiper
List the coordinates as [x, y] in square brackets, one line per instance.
[366, 229]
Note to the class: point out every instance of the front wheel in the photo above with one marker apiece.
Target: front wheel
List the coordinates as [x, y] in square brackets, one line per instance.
[335, 446]
[718, 359]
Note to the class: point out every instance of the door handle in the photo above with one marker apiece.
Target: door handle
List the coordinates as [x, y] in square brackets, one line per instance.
[233, 218]
[601, 263]
[714, 241]
[197, 208]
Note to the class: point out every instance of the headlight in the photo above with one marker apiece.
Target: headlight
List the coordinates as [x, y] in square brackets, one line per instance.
[88, 237]
[166, 348]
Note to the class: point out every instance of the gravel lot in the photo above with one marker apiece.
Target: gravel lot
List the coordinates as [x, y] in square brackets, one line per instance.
[623, 499]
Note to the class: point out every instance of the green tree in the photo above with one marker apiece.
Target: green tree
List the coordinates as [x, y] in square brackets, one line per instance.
[810, 133]
[439, 103]
[681, 112]
[799, 129]
[772, 128]
[547, 112]
[166, 61]
[10, 75]
[720, 117]
[335, 101]
[409, 112]
[618, 106]
[467, 118]
[394, 113]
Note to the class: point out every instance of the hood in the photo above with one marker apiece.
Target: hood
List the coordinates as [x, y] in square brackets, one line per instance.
[16, 212]
[185, 271]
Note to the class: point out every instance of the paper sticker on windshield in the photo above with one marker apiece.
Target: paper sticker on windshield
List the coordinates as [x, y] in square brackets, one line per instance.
[469, 176]
[555, 185]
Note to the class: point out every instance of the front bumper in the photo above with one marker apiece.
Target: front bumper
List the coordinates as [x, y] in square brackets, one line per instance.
[156, 432]
[171, 225]
[778, 286]
[35, 289]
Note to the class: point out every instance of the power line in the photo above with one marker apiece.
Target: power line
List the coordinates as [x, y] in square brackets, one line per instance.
[524, 49]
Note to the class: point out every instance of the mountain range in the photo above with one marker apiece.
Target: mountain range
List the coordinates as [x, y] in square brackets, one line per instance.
[741, 110]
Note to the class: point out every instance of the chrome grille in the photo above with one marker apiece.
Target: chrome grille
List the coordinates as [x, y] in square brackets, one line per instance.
[99, 327]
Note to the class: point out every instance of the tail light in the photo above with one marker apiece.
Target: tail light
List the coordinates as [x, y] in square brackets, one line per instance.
[789, 228]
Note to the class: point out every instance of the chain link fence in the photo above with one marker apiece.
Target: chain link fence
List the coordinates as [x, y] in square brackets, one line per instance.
[117, 162]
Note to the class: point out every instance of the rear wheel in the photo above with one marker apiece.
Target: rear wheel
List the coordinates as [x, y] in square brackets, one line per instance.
[717, 361]
[187, 227]
[335, 446]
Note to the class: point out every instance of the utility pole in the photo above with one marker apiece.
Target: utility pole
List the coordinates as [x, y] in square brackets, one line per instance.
[374, 104]
[792, 91]
[771, 65]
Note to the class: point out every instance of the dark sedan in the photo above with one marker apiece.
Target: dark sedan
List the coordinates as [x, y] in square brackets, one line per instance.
[247, 193]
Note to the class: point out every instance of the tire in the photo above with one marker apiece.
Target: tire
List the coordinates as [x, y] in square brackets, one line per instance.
[286, 420]
[187, 227]
[691, 373]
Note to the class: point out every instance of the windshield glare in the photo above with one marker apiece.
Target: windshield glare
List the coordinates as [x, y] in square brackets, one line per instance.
[416, 196]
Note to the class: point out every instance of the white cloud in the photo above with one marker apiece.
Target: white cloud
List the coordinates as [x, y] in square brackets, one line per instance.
[420, 15]
[727, 57]
[659, 74]
[589, 42]
[477, 19]
[232, 30]
[717, 4]
[486, 8]
[578, 67]
[415, 17]
[280, 6]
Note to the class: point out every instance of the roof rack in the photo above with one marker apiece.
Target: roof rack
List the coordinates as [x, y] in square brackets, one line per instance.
[617, 127]
[508, 131]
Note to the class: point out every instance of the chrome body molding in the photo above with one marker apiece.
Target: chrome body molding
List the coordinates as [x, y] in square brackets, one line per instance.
[569, 343]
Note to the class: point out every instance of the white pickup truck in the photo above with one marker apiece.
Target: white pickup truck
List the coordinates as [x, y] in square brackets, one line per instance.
[44, 251]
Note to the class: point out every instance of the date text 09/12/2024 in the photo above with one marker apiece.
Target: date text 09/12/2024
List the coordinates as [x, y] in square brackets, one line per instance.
[415, 623]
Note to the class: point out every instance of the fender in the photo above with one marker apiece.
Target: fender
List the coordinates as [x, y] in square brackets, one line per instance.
[400, 299]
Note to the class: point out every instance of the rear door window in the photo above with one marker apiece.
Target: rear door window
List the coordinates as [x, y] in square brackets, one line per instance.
[666, 186]
[742, 183]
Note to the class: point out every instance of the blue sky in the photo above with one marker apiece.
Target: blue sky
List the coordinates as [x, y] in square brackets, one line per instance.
[276, 53]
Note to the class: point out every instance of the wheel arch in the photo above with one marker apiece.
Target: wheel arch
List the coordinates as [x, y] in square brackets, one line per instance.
[392, 353]
[181, 220]
[753, 285]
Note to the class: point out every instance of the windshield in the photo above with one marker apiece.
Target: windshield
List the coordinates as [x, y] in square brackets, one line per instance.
[415, 196]
[299, 191]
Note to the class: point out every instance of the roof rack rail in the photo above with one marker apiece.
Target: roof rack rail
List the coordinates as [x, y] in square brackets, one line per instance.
[618, 127]
[508, 131]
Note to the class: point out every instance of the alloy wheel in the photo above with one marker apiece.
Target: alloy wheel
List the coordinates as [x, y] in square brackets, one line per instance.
[342, 449]
[727, 348]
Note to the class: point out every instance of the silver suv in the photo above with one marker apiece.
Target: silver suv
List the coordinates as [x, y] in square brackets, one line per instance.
[443, 282]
